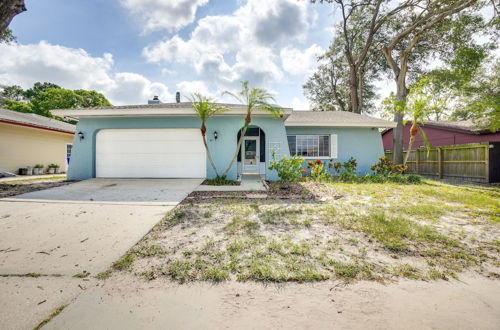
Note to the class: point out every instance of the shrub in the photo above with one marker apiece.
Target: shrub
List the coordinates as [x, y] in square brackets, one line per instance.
[318, 170]
[385, 167]
[375, 178]
[413, 178]
[289, 169]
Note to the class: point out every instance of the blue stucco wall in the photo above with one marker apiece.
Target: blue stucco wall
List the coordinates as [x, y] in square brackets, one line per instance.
[364, 144]
[82, 164]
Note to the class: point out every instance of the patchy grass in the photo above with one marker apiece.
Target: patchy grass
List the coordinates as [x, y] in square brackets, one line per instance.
[83, 274]
[104, 275]
[219, 181]
[313, 232]
[56, 312]
[124, 262]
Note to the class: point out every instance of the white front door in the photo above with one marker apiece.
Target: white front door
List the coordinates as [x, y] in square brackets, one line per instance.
[150, 153]
[250, 155]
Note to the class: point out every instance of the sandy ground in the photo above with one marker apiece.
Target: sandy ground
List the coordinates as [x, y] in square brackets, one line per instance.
[125, 302]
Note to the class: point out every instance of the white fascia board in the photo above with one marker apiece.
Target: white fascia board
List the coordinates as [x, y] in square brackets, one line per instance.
[144, 112]
[389, 124]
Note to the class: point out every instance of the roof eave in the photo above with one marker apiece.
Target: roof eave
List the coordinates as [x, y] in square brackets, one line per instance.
[161, 112]
[46, 128]
[378, 125]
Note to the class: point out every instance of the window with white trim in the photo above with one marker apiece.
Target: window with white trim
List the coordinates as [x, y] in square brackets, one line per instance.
[69, 146]
[309, 146]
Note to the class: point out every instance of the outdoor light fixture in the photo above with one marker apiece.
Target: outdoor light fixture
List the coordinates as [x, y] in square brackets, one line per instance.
[216, 135]
[80, 135]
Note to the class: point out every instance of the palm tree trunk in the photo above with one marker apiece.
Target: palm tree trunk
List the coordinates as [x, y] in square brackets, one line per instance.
[413, 133]
[238, 148]
[209, 155]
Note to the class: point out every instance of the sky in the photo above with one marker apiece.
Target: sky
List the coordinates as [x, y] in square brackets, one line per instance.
[131, 50]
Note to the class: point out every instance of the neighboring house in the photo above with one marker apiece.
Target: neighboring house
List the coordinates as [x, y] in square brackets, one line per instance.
[444, 133]
[164, 140]
[27, 139]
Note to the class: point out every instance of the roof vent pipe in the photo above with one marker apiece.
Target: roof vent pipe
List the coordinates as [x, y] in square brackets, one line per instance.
[178, 97]
[155, 100]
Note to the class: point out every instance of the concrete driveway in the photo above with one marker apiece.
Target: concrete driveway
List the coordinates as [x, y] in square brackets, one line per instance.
[60, 232]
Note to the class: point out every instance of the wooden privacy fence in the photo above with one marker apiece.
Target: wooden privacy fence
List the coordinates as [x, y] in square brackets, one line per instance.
[469, 162]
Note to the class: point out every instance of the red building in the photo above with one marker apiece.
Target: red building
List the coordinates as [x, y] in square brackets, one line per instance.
[444, 133]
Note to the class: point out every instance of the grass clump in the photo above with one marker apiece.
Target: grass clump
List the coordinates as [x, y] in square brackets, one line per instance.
[220, 181]
[124, 262]
[56, 312]
[104, 275]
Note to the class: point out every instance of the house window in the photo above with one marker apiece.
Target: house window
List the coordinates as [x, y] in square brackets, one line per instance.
[68, 152]
[309, 146]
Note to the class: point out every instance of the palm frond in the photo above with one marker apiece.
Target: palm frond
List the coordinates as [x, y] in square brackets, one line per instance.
[426, 141]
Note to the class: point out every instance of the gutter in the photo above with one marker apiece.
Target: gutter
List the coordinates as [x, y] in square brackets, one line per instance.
[35, 126]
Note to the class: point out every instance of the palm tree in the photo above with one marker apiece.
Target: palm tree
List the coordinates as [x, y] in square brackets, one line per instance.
[205, 109]
[252, 98]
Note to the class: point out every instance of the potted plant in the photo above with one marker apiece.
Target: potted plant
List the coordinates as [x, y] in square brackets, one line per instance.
[38, 169]
[53, 168]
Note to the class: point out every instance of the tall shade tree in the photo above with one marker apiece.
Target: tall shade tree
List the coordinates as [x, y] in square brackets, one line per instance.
[9, 9]
[357, 32]
[253, 99]
[410, 27]
[205, 109]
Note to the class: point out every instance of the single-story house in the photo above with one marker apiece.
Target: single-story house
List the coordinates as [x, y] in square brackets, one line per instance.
[164, 140]
[444, 133]
[27, 139]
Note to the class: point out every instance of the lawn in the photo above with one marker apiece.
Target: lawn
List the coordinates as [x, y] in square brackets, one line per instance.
[317, 231]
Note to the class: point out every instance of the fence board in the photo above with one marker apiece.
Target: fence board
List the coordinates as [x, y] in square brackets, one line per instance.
[467, 162]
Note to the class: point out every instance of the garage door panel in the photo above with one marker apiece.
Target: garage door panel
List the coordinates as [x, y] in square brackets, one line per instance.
[150, 153]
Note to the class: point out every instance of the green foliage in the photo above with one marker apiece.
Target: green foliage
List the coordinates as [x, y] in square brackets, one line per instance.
[14, 92]
[39, 88]
[91, 99]
[6, 36]
[289, 169]
[17, 106]
[221, 181]
[385, 167]
[318, 171]
[43, 97]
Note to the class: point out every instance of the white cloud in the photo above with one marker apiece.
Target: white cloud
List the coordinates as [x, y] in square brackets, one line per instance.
[300, 104]
[74, 68]
[227, 49]
[188, 88]
[298, 62]
[170, 15]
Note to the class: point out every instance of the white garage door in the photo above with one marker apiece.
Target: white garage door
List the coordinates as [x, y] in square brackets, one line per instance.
[150, 153]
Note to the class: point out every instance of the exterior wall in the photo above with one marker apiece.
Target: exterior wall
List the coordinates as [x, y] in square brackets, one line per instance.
[22, 146]
[364, 144]
[82, 165]
[440, 137]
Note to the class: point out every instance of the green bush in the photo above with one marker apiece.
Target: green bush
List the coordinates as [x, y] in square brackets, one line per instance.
[289, 169]
[375, 178]
[414, 178]
[221, 181]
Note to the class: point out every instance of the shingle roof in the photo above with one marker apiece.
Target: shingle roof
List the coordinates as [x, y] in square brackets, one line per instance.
[154, 106]
[35, 120]
[335, 118]
[464, 125]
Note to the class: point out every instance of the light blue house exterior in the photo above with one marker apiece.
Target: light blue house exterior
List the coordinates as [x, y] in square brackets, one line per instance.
[140, 141]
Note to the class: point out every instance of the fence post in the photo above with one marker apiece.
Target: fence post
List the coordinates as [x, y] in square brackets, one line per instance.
[487, 161]
[440, 163]
[417, 161]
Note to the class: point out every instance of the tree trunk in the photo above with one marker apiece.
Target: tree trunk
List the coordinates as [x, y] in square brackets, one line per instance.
[238, 147]
[209, 155]
[9, 9]
[397, 136]
[353, 86]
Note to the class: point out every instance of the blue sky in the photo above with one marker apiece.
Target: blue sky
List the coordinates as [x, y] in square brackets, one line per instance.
[133, 49]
